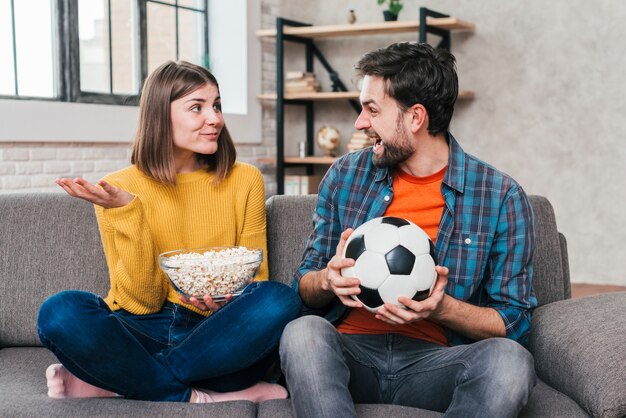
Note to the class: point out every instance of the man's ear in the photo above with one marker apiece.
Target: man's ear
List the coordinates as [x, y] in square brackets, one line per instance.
[419, 117]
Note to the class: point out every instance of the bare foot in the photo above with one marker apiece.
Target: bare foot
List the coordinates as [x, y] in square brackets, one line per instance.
[63, 384]
[259, 392]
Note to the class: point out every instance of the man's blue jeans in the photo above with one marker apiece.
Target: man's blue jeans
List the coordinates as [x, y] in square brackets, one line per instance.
[160, 356]
[327, 372]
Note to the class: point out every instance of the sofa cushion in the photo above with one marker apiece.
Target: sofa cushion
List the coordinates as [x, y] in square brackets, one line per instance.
[282, 409]
[24, 394]
[578, 345]
[544, 402]
[289, 223]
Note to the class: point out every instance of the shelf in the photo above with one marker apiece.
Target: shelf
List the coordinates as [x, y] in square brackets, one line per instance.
[374, 28]
[315, 160]
[319, 96]
[310, 160]
[287, 30]
[340, 95]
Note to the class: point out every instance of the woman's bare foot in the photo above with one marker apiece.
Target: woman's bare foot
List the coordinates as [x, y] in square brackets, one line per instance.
[259, 392]
[63, 384]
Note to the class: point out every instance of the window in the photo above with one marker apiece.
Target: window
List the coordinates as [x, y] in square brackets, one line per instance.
[27, 44]
[95, 51]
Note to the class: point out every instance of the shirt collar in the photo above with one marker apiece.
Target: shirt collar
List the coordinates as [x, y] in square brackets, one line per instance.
[382, 173]
[455, 175]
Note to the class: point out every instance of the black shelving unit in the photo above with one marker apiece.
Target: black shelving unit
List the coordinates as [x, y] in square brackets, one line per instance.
[311, 52]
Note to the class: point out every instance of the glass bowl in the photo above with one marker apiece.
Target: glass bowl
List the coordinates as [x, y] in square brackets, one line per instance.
[215, 271]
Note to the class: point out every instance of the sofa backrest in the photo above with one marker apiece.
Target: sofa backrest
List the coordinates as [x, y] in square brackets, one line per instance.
[551, 280]
[289, 222]
[49, 242]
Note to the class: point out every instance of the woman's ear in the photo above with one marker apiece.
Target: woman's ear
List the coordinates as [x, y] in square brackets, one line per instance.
[419, 117]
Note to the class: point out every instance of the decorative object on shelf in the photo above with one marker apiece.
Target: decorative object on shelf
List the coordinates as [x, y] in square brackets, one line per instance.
[393, 9]
[351, 17]
[301, 82]
[328, 139]
[358, 141]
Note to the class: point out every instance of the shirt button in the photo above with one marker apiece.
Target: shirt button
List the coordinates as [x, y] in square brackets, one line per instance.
[386, 198]
[468, 241]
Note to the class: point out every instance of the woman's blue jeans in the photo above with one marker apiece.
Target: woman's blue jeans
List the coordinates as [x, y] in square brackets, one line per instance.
[160, 356]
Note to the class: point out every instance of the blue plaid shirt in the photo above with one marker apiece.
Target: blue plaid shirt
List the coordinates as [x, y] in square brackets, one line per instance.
[486, 235]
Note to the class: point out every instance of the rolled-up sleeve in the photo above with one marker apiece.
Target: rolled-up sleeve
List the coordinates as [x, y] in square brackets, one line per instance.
[323, 240]
[511, 263]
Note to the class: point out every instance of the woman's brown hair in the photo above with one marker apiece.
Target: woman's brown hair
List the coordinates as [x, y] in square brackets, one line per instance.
[153, 149]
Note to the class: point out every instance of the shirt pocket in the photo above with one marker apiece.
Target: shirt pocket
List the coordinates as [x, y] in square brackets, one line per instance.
[467, 257]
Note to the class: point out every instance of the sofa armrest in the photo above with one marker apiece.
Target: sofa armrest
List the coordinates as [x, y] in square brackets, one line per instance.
[579, 347]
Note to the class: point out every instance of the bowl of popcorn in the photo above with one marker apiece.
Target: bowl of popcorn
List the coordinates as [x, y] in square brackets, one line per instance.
[215, 271]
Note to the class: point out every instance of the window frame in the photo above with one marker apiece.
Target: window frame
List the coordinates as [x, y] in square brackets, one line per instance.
[68, 122]
[68, 54]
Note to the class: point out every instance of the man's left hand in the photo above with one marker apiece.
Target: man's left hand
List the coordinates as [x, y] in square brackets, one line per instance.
[416, 311]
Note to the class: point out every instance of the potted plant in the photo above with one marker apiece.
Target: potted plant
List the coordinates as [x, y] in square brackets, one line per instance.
[393, 8]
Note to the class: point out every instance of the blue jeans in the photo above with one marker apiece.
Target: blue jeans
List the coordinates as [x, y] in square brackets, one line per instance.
[327, 372]
[160, 356]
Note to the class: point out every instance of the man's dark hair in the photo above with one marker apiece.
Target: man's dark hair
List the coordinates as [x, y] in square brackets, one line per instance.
[416, 73]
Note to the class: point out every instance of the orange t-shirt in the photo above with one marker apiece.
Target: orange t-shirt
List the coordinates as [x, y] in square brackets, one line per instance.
[419, 200]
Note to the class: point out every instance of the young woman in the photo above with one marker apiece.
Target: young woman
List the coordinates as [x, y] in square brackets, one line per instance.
[184, 189]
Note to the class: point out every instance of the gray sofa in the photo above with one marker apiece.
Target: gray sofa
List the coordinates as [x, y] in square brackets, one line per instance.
[50, 242]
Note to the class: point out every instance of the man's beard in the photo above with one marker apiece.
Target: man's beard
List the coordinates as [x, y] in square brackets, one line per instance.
[395, 151]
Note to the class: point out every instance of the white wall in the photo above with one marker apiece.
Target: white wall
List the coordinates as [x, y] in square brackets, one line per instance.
[550, 101]
[48, 121]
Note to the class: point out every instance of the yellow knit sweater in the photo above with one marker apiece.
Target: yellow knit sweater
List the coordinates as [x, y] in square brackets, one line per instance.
[193, 214]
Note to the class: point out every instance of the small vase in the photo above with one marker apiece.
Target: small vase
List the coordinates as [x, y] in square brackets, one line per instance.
[389, 17]
[351, 17]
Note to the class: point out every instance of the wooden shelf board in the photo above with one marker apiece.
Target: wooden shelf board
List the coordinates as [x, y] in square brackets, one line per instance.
[371, 28]
[310, 160]
[325, 95]
[340, 95]
[297, 160]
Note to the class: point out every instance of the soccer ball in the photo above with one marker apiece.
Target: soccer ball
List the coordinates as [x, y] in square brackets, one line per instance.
[393, 258]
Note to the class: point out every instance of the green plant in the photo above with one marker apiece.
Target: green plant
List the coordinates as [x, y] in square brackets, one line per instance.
[393, 6]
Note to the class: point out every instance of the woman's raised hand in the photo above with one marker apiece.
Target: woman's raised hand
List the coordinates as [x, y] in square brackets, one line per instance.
[102, 194]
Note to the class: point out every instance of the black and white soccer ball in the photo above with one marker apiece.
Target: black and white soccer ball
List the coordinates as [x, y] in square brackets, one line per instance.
[393, 258]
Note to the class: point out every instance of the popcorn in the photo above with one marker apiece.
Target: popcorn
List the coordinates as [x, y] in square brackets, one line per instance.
[217, 271]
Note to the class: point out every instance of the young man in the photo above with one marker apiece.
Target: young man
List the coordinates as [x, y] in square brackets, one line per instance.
[459, 350]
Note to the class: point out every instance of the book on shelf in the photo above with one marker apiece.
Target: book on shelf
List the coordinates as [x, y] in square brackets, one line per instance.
[297, 75]
[300, 82]
[358, 141]
[301, 185]
[307, 89]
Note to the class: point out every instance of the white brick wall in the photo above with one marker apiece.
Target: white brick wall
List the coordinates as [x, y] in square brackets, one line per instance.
[33, 167]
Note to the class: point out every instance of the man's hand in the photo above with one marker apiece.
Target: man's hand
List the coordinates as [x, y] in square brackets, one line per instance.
[318, 288]
[102, 194]
[416, 311]
[333, 281]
